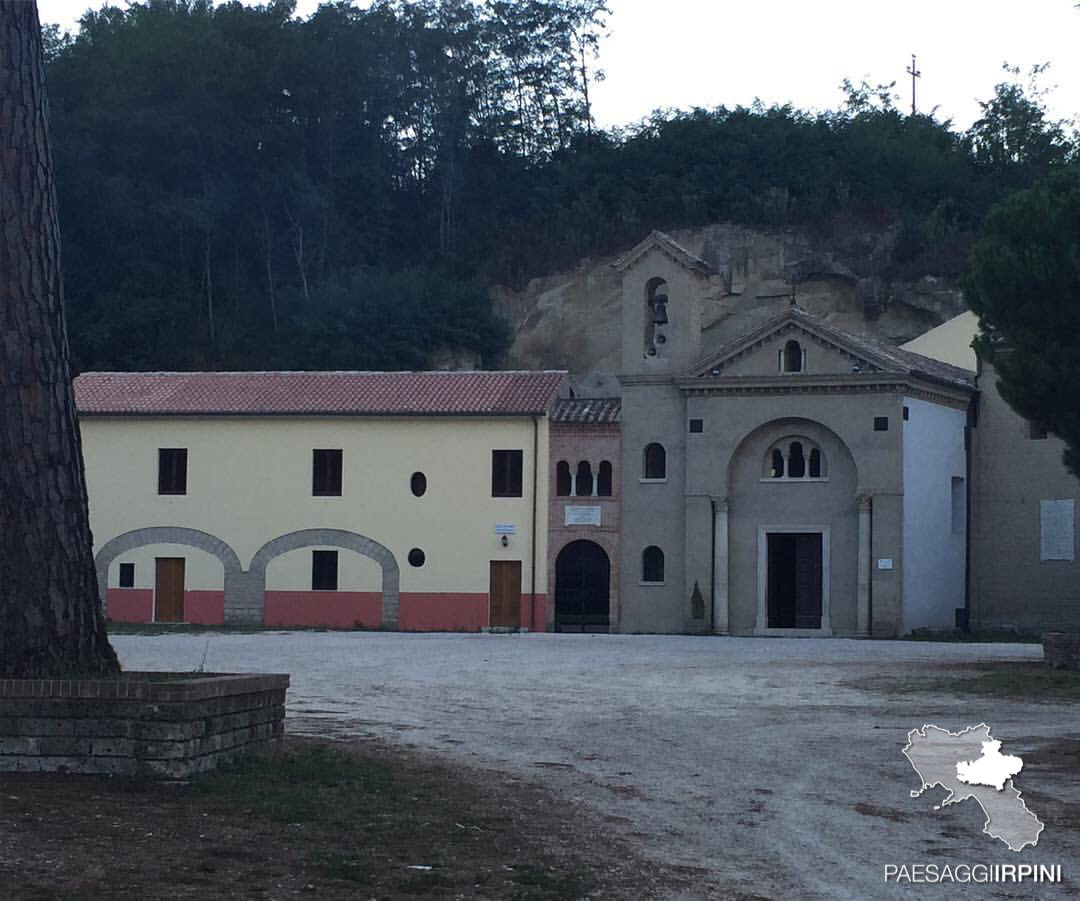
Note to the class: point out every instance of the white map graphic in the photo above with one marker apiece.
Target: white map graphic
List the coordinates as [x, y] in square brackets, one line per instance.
[993, 768]
[969, 764]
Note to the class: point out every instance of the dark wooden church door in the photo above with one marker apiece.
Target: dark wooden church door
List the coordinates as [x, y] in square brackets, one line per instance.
[794, 590]
[582, 588]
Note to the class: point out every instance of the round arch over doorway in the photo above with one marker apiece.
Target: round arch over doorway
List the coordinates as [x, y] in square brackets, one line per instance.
[582, 588]
[165, 535]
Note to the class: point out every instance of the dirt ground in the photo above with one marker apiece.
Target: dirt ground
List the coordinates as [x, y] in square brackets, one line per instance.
[757, 766]
[335, 820]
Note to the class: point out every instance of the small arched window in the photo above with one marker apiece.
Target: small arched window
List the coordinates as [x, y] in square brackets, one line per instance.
[418, 484]
[584, 486]
[655, 461]
[652, 564]
[603, 480]
[794, 458]
[562, 479]
[791, 357]
[796, 461]
[776, 471]
[656, 314]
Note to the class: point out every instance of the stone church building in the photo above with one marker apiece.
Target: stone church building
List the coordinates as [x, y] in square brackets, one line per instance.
[799, 481]
[802, 480]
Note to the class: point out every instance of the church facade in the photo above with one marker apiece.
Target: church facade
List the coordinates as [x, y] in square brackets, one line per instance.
[799, 481]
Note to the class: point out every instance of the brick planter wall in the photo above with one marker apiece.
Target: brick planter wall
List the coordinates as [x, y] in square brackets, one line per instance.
[148, 724]
[1062, 649]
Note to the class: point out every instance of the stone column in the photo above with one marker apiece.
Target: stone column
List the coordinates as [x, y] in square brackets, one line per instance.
[862, 627]
[720, 566]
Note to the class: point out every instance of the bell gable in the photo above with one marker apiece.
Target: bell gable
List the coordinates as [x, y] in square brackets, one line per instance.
[662, 287]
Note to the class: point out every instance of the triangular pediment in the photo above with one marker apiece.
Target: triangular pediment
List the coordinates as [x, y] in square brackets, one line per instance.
[825, 350]
[664, 244]
[829, 351]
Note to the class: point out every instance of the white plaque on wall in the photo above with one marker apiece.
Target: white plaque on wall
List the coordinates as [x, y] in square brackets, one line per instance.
[1056, 537]
[582, 516]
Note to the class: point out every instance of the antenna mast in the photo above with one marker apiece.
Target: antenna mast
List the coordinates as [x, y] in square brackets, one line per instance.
[914, 73]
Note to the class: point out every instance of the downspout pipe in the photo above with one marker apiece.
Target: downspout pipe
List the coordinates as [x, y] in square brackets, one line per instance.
[710, 613]
[969, 479]
[535, 485]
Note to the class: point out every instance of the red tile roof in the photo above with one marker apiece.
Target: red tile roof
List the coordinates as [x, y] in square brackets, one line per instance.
[316, 393]
[587, 410]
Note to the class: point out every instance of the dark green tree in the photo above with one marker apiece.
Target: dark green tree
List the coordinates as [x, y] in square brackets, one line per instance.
[236, 182]
[1025, 286]
[1014, 139]
[51, 619]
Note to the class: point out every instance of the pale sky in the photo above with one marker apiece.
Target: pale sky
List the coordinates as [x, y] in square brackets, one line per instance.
[686, 53]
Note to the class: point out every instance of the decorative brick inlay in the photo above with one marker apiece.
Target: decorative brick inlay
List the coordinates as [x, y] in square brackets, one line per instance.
[156, 724]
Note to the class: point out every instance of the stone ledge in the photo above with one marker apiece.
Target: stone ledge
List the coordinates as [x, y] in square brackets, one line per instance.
[117, 726]
[166, 725]
[146, 686]
[165, 711]
[1062, 649]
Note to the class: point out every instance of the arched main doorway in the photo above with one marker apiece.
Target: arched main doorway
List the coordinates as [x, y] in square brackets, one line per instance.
[582, 587]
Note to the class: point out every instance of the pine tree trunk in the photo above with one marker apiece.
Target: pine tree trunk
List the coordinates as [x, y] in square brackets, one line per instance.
[51, 621]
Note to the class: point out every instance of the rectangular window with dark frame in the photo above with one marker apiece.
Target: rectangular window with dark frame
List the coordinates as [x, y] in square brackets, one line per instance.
[127, 575]
[881, 423]
[326, 473]
[506, 468]
[324, 570]
[172, 470]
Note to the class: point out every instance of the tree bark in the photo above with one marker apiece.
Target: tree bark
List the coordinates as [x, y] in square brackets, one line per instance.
[270, 271]
[298, 252]
[208, 283]
[51, 621]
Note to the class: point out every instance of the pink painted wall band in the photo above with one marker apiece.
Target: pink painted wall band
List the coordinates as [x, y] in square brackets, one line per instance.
[130, 605]
[333, 609]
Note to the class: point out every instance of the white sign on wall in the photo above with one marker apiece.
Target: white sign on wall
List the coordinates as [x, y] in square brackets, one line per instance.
[582, 516]
[1056, 538]
[884, 563]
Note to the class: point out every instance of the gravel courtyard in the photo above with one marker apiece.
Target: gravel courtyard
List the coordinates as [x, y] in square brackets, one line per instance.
[772, 766]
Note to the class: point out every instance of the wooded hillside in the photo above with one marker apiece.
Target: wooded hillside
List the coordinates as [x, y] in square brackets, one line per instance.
[239, 189]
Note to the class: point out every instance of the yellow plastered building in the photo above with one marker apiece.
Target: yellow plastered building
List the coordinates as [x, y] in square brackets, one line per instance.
[393, 500]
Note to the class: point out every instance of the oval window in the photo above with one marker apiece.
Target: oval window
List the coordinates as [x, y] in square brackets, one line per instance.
[416, 557]
[418, 483]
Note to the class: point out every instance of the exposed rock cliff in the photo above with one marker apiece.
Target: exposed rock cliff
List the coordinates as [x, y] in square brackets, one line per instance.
[571, 319]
